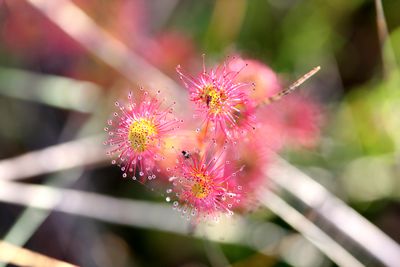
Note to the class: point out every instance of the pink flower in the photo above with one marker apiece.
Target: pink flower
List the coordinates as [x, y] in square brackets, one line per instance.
[254, 154]
[202, 185]
[295, 119]
[219, 98]
[137, 135]
[266, 82]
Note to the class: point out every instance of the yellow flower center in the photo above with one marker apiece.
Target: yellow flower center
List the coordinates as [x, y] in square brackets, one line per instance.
[214, 98]
[202, 187]
[140, 134]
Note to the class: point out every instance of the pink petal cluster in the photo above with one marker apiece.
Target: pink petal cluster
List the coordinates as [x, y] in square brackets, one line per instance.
[203, 185]
[218, 168]
[295, 120]
[292, 122]
[265, 80]
[221, 100]
[137, 135]
[252, 155]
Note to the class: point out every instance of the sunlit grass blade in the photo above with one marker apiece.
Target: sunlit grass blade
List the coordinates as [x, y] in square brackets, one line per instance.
[81, 152]
[356, 232]
[15, 255]
[113, 52]
[50, 90]
[135, 213]
[315, 235]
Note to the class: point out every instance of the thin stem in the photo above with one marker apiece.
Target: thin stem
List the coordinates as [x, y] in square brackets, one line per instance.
[388, 56]
[15, 255]
[292, 87]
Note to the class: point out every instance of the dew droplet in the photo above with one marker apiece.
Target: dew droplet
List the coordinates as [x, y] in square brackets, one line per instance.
[168, 199]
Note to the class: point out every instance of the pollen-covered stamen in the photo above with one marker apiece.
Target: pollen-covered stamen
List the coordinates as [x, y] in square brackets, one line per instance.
[202, 186]
[141, 133]
[214, 98]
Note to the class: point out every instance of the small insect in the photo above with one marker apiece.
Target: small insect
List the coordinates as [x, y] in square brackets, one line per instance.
[186, 154]
[208, 100]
